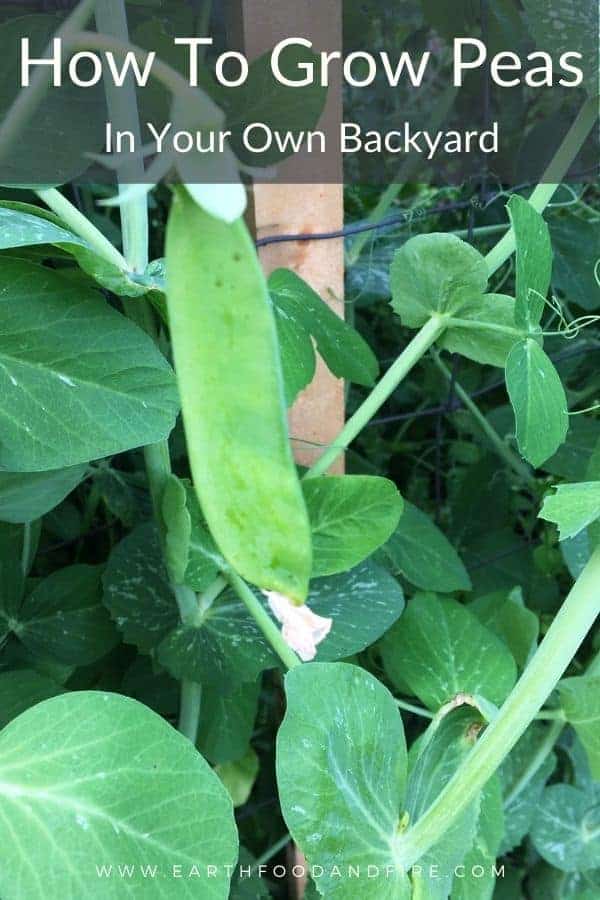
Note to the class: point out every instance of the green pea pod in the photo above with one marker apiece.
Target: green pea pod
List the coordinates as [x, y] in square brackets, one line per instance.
[229, 374]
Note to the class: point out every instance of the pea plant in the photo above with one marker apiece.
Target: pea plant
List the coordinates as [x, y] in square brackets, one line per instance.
[217, 666]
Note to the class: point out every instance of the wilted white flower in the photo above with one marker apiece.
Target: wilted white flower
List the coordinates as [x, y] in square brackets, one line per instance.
[301, 628]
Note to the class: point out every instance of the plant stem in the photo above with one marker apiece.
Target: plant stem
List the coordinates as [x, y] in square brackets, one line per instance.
[537, 682]
[81, 225]
[189, 711]
[503, 450]
[111, 18]
[551, 736]
[272, 851]
[263, 620]
[409, 357]
[29, 98]
[417, 710]
[550, 181]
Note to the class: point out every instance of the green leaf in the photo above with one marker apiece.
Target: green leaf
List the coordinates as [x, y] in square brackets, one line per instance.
[137, 592]
[477, 340]
[439, 649]
[63, 617]
[538, 400]
[565, 830]
[300, 312]
[363, 603]
[350, 517]
[524, 774]
[580, 701]
[21, 689]
[433, 760]
[558, 30]
[24, 225]
[341, 773]
[435, 273]
[239, 775]
[78, 380]
[507, 616]
[483, 853]
[227, 722]
[423, 555]
[572, 507]
[178, 526]
[576, 252]
[534, 261]
[572, 459]
[230, 382]
[205, 561]
[92, 779]
[25, 496]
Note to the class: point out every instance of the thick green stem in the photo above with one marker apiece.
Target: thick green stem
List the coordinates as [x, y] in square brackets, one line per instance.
[504, 452]
[263, 620]
[189, 711]
[551, 179]
[81, 226]
[569, 628]
[409, 357]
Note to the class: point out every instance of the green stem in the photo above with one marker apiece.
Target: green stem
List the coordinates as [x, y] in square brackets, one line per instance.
[263, 620]
[409, 357]
[81, 225]
[551, 736]
[111, 18]
[569, 628]
[189, 711]
[272, 851]
[26, 549]
[551, 179]
[504, 452]
[29, 98]
[417, 710]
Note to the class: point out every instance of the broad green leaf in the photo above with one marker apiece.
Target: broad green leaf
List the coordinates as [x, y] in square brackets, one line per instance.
[363, 603]
[468, 885]
[557, 29]
[423, 555]
[137, 592]
[147, 682]
[350, 517]
[227, 722]
[580, 701]
[507, 616]
[435, 273]
[534, 261]
[576, 552]
[24, 225]
[565, 829]
[12, 576]
[21, 689]
[302, 316]
[440, 649]
[94, 779]
[341, 773]
[489, 331]
[244, 887]
[572, 459]
[576, 250]
[222, 648]
[572, 507]
[433, 760]
[229, 375]
[538, 400]
[205, 561]
[63, 617]
[524, 774]
[78, 380]
[25, 496]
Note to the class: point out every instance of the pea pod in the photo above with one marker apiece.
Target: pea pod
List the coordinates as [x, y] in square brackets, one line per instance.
[229, 374]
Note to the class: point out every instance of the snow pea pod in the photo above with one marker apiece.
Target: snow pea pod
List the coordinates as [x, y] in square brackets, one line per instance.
[230, 382]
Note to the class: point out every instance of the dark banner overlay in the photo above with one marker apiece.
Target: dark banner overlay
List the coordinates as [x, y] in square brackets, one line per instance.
[435, 91]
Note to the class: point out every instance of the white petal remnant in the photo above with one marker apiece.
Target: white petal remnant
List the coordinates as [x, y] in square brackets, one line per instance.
[301, 628]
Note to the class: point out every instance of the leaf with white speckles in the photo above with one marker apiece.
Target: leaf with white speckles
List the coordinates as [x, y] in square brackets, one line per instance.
[580, 700]
[440, 649]
[566, 828]
[341, 772]
[105, 777]
[78, 380]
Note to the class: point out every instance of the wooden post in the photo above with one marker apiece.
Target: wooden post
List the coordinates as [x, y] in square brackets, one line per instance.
[318, 414]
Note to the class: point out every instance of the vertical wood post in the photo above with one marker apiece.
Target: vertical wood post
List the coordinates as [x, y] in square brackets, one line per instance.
[318, 414]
